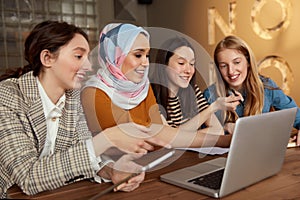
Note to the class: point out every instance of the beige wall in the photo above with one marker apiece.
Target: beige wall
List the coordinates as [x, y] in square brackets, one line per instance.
[190, 17]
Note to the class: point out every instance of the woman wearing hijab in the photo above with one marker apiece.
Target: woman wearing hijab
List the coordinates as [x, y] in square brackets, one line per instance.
[120, 91]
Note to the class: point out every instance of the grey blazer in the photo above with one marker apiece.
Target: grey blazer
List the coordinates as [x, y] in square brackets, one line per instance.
[23, 134]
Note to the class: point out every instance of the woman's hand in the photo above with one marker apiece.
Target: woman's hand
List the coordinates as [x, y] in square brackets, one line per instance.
[128, 137]
[125, 167]
[228, 103]
[295, 140]
[229, 127]
[132, 183]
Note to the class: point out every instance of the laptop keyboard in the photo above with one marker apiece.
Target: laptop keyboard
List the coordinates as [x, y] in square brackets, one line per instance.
[212, 180]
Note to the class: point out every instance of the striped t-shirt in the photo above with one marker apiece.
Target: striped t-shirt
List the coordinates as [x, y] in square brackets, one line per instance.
[174, 109]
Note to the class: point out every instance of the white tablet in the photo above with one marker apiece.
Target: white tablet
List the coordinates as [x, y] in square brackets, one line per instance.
[154, 158]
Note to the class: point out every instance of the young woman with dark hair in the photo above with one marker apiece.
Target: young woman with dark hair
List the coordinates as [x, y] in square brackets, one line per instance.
[45, 142]
[174, 85]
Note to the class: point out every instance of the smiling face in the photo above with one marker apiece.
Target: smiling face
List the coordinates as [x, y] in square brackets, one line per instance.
[66, 68]
[233, 67]
[137, 60]
[180, 69]
[73, 62]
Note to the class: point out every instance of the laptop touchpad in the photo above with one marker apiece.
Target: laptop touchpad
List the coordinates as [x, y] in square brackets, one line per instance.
[208, 166]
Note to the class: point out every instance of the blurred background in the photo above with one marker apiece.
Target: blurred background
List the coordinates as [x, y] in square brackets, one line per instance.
[270, 27]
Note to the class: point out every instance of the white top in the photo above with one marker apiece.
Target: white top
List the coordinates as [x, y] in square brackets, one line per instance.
[53, 113]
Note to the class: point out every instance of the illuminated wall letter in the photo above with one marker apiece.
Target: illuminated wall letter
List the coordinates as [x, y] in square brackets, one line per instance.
[266, 33]
[284, 68]
[215, 17]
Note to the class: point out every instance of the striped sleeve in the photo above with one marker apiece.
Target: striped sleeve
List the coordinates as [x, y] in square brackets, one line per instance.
[201, 101]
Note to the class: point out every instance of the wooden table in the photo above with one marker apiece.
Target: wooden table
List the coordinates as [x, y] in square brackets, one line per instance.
[284, 185]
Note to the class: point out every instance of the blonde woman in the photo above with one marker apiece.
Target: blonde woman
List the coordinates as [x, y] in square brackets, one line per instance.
[236, 64]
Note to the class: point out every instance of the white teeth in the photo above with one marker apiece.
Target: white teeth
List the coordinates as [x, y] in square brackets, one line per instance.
[233, 77]
[185, 77]
[80, 75]
[140, 71]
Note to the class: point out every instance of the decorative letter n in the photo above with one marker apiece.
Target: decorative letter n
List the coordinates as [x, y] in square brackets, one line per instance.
[215, 17]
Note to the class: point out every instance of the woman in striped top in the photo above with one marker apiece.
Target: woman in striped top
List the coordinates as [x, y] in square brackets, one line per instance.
[174, 85]
[174, 108]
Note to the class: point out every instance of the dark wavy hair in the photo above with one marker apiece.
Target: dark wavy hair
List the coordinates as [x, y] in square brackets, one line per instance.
[50, 35]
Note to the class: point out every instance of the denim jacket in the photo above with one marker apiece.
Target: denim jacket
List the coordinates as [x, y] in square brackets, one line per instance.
[272, 98]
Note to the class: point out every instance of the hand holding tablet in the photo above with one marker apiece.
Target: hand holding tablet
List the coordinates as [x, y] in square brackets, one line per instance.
[147, 161]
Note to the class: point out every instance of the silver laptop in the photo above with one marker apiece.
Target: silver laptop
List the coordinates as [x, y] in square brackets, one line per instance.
[256, 152]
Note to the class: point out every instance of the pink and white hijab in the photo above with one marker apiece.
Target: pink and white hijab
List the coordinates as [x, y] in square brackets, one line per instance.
[115, 43]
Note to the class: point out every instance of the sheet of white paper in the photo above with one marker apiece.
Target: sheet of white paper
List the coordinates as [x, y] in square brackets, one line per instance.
[208, 150]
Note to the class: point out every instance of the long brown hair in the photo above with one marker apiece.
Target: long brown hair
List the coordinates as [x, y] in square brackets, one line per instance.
[252, 86]
[50, 35]
[159, 79]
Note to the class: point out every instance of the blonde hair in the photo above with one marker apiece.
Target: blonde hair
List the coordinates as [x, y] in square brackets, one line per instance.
[252, 85]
